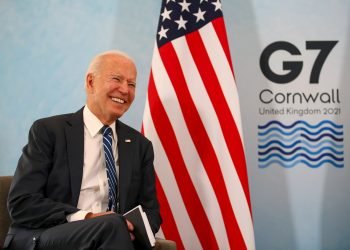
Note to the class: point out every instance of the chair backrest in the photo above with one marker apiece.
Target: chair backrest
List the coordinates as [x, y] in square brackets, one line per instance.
[5, 221]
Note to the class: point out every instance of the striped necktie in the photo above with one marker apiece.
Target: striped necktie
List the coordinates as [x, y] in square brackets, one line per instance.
[110, 168]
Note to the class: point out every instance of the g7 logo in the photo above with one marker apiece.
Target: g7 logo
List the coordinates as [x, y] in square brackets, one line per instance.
[295, 67]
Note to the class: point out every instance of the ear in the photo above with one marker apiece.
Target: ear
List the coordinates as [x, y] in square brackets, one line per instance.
[89, 83]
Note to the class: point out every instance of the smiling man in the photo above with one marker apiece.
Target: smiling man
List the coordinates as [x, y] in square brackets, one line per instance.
[80, 172]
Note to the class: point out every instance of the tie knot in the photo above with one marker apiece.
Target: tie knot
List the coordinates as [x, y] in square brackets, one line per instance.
[106, 130]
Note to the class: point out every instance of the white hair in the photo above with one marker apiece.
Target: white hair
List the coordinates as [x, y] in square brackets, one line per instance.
[96, 61]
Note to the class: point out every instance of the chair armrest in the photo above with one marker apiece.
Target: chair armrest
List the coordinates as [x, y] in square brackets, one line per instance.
[162, 244]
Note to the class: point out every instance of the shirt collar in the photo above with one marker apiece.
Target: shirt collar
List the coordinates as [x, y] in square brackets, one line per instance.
[94, 125]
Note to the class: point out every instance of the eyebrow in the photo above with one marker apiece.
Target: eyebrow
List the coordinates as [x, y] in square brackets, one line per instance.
[121, 76]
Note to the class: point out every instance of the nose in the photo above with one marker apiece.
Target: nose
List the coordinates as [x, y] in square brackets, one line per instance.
[123, 87]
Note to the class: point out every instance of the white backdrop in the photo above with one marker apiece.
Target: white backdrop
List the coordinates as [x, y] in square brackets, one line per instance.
[45, 48]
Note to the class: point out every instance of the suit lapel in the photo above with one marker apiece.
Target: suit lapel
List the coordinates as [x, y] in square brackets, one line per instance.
[75, 151]
[125, 148]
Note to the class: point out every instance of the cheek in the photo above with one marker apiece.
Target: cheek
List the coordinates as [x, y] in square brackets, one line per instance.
[103, 92]
[132, 95]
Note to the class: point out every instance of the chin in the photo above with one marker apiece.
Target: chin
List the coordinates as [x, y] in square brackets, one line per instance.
[117, 115]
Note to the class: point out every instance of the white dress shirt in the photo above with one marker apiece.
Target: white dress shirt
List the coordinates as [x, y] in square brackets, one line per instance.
[94, 187]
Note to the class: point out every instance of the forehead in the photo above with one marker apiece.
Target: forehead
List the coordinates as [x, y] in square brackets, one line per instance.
[115, 64]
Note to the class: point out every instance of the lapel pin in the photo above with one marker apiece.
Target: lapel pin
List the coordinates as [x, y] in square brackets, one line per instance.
[127, 140]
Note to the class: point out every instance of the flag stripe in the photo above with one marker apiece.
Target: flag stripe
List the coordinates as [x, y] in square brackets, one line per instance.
[189, 152]
[212, 83]
[169, 229]
[226, 80]
[205, 67]
[219, 26]
[170, 188]
[200, 138]
[211, 123]
[188, 192]
[209, 158]
[224, 74]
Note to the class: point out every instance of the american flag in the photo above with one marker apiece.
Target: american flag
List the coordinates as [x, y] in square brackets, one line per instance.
[192, 116]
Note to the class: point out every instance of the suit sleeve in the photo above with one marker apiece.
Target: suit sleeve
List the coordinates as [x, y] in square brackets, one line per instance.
[28, 201]
[148, 196]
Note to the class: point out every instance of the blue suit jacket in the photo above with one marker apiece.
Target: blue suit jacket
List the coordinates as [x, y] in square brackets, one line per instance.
[47, 181]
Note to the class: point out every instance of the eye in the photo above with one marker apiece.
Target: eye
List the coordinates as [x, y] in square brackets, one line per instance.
[117, 78]
[132, 84]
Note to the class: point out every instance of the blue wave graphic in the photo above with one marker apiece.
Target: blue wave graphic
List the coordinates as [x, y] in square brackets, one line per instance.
[286, 139]
[300, 122]
[293, 164]
[301, 143]
[279, 137]
[268, 144]
[299, 129]
[307, 143]
[300, 149]
[321, 136]
[301, 155]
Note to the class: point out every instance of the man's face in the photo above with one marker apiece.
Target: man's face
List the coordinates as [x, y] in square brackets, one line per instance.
[112, 89]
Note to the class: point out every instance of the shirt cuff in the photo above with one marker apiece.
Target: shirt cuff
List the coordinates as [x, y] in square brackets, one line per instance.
[80, 215]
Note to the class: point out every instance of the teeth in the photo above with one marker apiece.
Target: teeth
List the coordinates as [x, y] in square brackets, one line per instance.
[115, 99]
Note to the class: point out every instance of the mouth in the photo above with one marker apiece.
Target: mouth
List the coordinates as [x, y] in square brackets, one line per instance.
[118, 100]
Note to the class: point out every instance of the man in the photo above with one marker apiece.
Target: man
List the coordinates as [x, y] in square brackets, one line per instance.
[61, 196]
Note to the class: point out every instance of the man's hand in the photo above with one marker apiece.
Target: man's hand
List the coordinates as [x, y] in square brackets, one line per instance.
[93, 215]
[131, 229]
